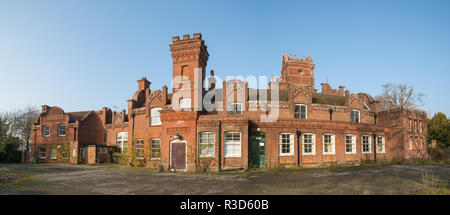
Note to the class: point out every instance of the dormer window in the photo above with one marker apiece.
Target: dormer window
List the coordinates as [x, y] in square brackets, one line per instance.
[300, 111]
[354, 115]
[61, 130]
[46, 131]
[234, 108]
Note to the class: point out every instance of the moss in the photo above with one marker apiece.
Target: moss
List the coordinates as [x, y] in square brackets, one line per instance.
[320, 98]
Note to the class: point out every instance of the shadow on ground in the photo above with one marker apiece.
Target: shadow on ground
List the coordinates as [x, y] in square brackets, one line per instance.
[112, 179]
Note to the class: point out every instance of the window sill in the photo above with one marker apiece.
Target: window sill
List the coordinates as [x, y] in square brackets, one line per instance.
[381, 152]
[232, 156]
[309, 154]
[329, 153]
[286, 155]
[350, 153]
[207, 156]
[367, 153]
[155, 159]
[61, 135]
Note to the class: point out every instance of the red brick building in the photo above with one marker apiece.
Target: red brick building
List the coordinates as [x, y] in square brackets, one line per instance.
[289, 123]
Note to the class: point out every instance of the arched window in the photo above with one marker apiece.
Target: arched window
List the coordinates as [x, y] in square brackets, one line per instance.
[155, 116]
[122, 141]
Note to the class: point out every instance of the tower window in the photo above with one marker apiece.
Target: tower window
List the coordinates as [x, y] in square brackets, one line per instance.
[234, 108]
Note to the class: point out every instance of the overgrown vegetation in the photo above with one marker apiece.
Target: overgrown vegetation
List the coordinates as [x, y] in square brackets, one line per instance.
[439, 130]
[430, 184]
[128, 158]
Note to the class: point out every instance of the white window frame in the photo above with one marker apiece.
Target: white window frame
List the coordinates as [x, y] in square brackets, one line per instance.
[52, 156]
[43, 131]
[123, 141]
[313, 147]
[291, 144]
[353, 144]
[41, 150]
[234, 110]
[415, 125]
[369, 142]
[420, 126]
[59, 130]
[333, 144]
[300, 113]
[228, 143]
[410, 124]
[141, 144]
[152, 142]
[210, 146]
[155, 117]
[421, 143]
[383, 145]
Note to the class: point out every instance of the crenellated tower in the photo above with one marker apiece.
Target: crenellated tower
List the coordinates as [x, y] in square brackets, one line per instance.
[298, 72]
[190, 56]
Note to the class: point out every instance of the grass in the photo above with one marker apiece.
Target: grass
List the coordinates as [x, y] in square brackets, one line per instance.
[430, 184]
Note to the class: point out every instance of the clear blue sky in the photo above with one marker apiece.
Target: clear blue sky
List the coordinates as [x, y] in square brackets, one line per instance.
[86, 54]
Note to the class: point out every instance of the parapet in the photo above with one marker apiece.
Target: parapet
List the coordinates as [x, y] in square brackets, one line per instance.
[326, 89]
[187, 37]
[290, 58]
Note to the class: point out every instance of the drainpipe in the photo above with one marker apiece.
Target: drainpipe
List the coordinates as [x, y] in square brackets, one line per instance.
[375, 147]
[219, 164]
[299, 158]
[132, 132]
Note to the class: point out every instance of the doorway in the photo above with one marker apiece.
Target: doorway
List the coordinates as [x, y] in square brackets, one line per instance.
[178, 155]
[258, 150]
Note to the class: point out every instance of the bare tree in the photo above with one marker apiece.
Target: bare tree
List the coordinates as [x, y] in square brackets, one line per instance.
[18, 124]
[399, 96]
[24, 119]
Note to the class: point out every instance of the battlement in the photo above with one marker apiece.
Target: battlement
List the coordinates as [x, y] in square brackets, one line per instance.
[289, 58]
[187, 37]
[326, 89]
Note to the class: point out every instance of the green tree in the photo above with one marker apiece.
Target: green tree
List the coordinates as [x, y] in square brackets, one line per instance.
[9, 152]
[439, 130]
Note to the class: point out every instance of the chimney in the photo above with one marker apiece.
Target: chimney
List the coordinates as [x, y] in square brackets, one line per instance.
[325, 88]
[212, 81]
[143, 84]
[341, 90]
[45, 108]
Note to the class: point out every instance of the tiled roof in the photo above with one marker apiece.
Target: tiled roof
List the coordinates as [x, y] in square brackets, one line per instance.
[73, 116]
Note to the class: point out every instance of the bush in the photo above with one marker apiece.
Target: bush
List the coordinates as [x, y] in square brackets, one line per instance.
[127, 159]
[9, 152]
[438, 154]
